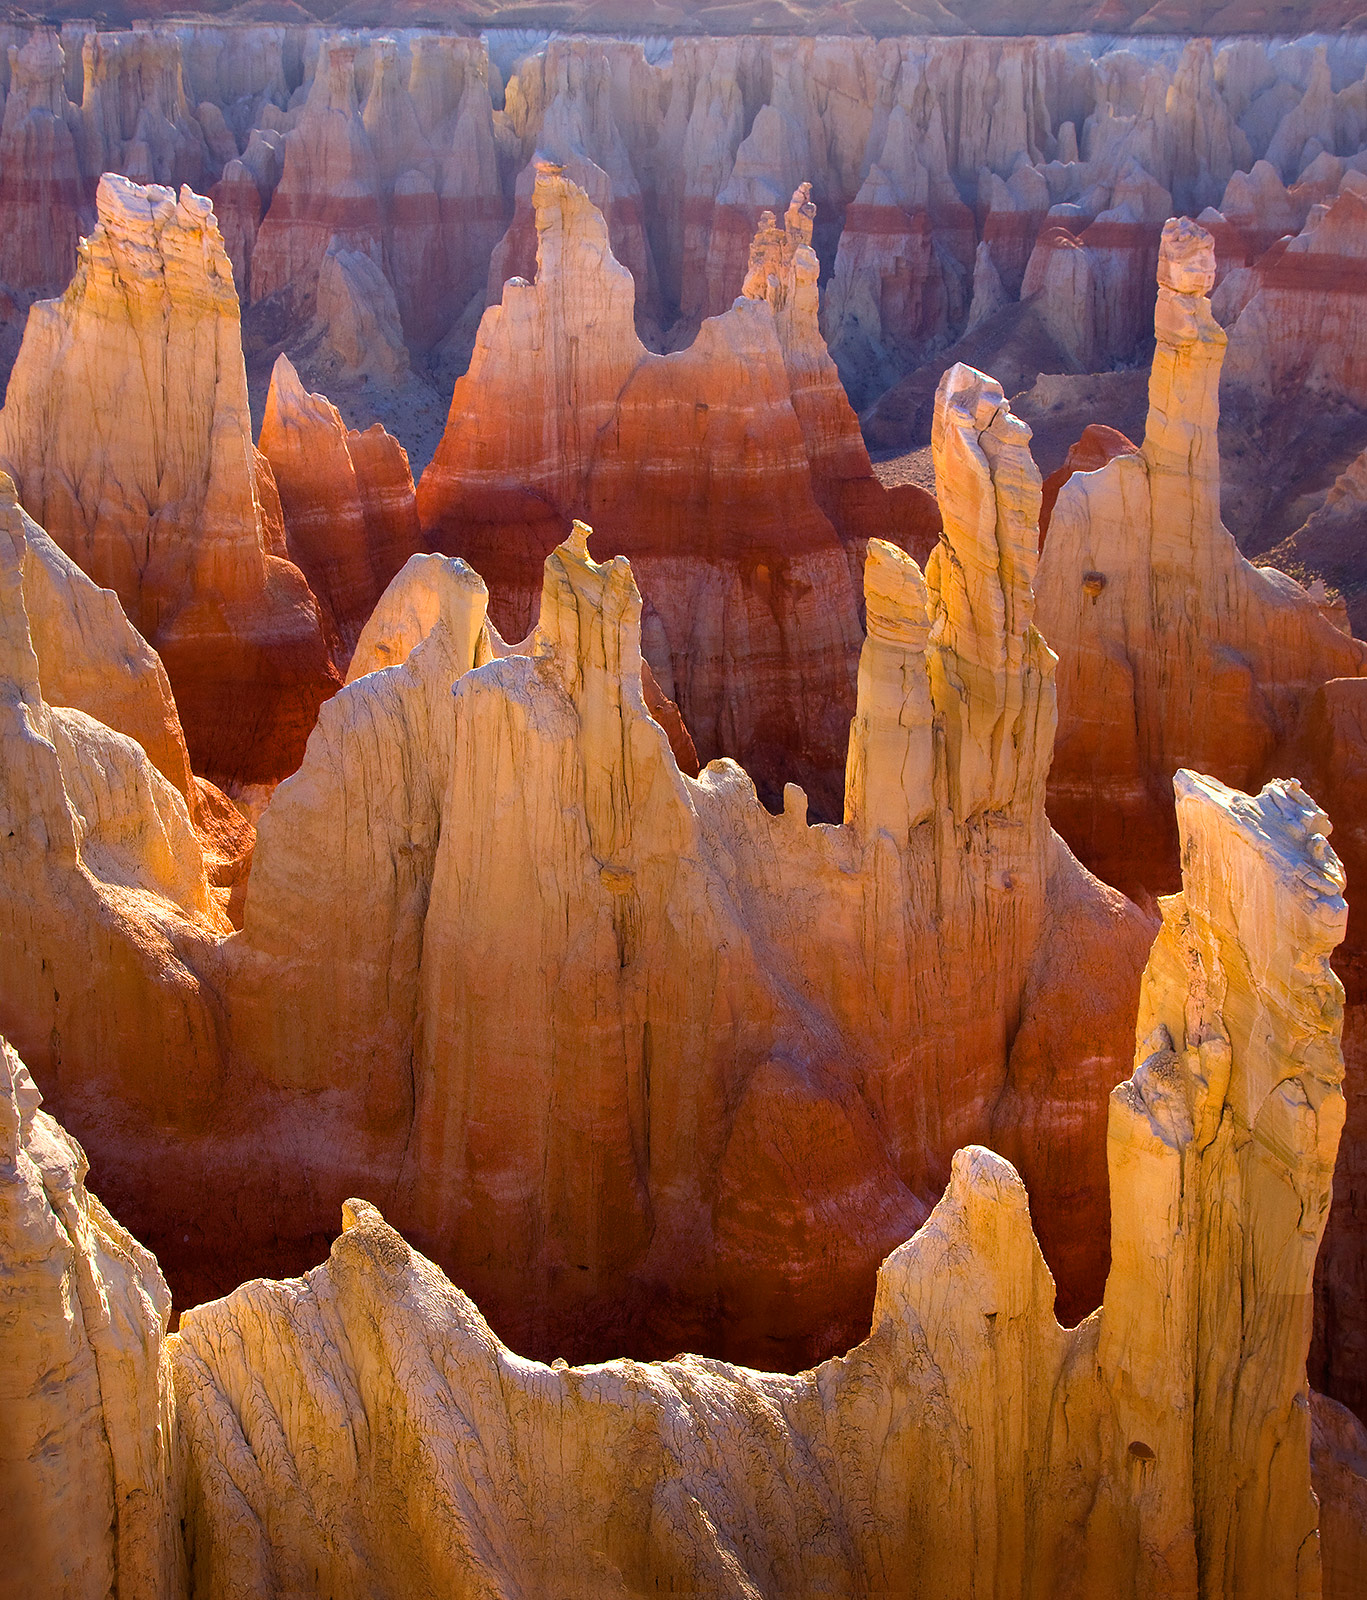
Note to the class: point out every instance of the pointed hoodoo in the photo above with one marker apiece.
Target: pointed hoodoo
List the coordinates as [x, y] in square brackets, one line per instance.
[427, 593]
[517, 425]
[347, 499]
[127, 431]
[1221, 1152]
[991, 672]
[1181, 443]
[889, 774]
[957, 650]
[1173, 650]
[1163, 1443]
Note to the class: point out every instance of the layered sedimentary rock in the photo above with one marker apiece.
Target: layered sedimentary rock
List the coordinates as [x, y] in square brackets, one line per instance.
[389, 161]
[328, 189]
[1173, 650]
[572, 87]
[127, 433]
[548, 789]
[87, 1453]
[1163, 1446]
[135, 116]
[717, 469]
[536, 822]
[1301, 328]
[43, 208]
[351, 518]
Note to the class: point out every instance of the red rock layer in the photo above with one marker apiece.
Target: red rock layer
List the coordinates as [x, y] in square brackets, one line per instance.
[1097, 445]
[351, 518]
[1302, 325]
[731, 472]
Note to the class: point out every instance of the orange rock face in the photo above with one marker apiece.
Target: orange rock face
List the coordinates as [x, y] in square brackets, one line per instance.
[582, 777]
[728, 472]
[1097, 445]
[1174, 650]
[726, 987]
[126, 431]
[351, 517]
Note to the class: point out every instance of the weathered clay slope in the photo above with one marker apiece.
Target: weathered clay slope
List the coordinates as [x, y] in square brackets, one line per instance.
[127, 433]
[1163, 1446]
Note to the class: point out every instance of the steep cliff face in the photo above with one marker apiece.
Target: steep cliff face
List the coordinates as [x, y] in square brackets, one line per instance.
[351, 518]
[136, 118]
[127, 433]
[728, 472]
[92, 659]
[1163, 1446]
[87, 1453]
[329, 185]
[1152, 608]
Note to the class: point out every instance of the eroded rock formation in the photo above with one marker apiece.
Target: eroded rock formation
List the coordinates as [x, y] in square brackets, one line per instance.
[553, 758]
[1301, 325]
[351, 518]
[1173, 650]
[717, 469]
[127, 433]
[1163, 1446]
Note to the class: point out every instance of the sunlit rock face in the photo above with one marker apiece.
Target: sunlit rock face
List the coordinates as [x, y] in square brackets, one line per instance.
[730, 472]
[88, 1452]
[329, 1394]
[723, 980]
[643, 1052]
[126, 431]
[608, 848]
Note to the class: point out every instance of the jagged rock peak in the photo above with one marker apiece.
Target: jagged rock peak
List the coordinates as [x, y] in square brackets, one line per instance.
[989, 662]
[774, 250]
